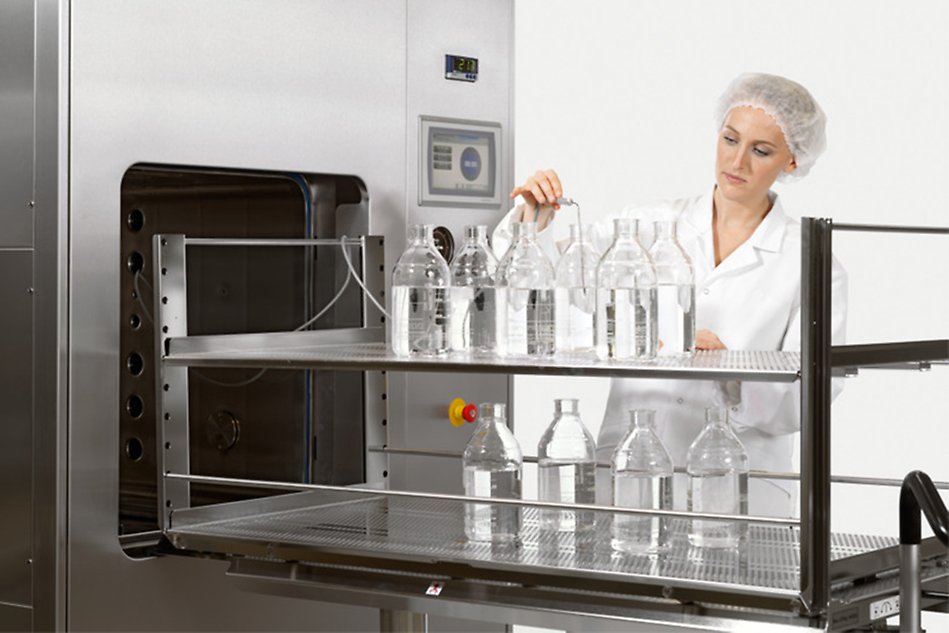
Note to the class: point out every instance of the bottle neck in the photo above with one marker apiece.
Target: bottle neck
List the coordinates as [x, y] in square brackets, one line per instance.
[666, 231]
[716, 417]
[566, 406]
[420, 234]
[476, 234]
[643, 419]
[625, 229]
[492, 411]
[524, 231]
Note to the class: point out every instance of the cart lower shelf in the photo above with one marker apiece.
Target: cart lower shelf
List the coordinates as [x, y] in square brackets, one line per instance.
[427, 536]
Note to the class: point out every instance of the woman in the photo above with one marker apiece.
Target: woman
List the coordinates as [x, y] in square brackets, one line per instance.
[746, 257]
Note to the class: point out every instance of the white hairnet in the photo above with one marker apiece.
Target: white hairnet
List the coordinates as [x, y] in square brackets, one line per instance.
[790, 105]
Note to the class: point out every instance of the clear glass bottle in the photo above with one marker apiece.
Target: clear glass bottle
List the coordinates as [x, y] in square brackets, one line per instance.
[566, 469]
[642, 478]
[675, 292]
[420, 284]
[575, 293]
[525, 283]
[473, 299]
[492, 464]
[626, 325]
[717, 466]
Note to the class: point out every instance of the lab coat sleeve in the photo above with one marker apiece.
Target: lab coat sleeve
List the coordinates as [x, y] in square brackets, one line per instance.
[775, 408]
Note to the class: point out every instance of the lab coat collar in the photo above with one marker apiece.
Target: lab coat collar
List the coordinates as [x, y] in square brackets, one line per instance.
[769, 236]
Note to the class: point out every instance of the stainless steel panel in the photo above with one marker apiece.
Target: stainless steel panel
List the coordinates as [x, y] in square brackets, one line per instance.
[51, 309]
[16, 425]
[280, 86]
[16, 123]
[418, 402]
[503, 602]
[287, 341]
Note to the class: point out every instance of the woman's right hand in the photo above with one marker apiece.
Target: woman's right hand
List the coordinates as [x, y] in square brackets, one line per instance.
[540, 190]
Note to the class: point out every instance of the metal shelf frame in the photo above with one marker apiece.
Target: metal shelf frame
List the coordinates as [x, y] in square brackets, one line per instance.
[363, 349]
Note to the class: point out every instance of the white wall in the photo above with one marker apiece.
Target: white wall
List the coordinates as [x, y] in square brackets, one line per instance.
[619, 97]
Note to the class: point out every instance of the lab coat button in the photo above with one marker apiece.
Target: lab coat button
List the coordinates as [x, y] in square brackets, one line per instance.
[706, 291]
[734, 409]
[679, 400]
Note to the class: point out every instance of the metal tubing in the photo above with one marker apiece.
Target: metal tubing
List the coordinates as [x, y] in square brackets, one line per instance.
[226, 241]
[889, 228]
[280, 485]
[759, 474]
[816, 249]
[909, 589]
[402, 622]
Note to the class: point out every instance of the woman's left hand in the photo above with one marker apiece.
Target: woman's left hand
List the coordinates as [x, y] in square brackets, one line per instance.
[707, 339]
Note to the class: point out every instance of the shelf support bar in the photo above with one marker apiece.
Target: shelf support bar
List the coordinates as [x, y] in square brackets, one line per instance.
[171, 386]
[816, 258]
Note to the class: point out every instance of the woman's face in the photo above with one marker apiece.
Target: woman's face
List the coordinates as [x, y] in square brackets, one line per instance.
[751, 153]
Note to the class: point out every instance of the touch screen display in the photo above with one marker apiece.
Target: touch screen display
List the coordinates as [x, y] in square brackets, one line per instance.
[461, 162]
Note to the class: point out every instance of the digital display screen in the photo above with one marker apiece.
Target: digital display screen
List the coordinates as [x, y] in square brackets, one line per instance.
[461, 162]
[460, 68]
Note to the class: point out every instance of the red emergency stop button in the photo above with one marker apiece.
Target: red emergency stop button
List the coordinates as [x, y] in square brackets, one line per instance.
[460, 412]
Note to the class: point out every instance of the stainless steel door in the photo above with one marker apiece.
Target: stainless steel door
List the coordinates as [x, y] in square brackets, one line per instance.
[279, 86]
[287, 86]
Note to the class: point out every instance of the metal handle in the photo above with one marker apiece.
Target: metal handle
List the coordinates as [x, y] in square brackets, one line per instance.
[918, 496]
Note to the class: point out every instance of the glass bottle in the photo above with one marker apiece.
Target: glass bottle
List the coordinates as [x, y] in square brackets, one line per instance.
[492, 464]
[626, 298]
[420, 284]
[575, 293]
[675, 292]
[642, 478]
[717, 466]
[566, 469]
[473, 303]
[525, 283]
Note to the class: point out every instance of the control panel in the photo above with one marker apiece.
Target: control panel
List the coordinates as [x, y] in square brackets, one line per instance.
[459, 165]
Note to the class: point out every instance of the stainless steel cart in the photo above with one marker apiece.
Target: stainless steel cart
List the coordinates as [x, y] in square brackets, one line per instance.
[405, 552]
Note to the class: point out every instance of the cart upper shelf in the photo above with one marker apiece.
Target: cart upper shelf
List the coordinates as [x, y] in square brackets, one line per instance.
[353, 349]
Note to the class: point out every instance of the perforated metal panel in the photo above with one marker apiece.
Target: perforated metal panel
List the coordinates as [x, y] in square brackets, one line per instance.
[433, 529]
[712, 365]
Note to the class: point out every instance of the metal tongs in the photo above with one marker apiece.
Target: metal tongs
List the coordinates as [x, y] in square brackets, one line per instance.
[570, 202]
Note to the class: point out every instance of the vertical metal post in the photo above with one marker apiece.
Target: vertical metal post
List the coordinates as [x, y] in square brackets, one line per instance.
[376, 409]
[171, 387]
[910, 588]
[815, 413]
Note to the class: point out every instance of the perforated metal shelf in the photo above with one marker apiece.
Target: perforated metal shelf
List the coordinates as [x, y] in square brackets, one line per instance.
[418, 529]
[282, 351]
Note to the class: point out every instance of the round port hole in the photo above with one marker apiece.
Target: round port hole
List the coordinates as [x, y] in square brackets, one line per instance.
[136, 262]
[136, 364]
[135, 406]
[134, 449]
[135, 220]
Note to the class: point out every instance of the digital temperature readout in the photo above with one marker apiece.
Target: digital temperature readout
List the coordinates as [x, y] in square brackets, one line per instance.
[461, 68]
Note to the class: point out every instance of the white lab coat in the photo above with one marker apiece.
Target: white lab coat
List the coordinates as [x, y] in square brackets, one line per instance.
[752, 301]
